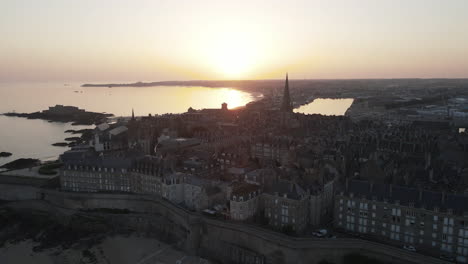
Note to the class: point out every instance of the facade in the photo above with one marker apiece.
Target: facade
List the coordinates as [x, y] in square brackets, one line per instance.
[107, 138]
[286, 206]
[83, 172]
[321, 204]
[244, 202]
[273, 150]
[432, 222]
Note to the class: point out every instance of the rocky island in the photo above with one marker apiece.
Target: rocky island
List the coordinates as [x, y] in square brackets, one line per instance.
[20, 164]
[5, 154]
[85, 135]
[61, 113]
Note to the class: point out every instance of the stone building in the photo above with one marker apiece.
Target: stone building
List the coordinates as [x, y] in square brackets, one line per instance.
[110, 138]
[321, 203]
[286, 206]
[269, 150]
[433, 222]
[244, 202]
[84, 172]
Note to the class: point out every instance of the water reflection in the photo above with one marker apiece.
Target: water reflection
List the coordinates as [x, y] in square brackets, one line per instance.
[118, 100]
[32, 138]
[326, 106]
[27, 138]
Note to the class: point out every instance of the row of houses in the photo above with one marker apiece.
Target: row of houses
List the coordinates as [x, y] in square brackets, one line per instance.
[281, 203]
[262, 193]
[432, 222]
[85, 171]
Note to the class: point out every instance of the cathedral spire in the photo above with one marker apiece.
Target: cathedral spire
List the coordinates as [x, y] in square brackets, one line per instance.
[286, 104]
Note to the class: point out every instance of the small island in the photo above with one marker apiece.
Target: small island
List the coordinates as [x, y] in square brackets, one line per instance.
[61, 113]
[20, 164]
[86, 135]
[4, 154]
[60, 144]
[80, 131]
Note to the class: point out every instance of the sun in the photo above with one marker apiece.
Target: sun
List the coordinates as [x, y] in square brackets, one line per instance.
[232, 63]
[233, 58]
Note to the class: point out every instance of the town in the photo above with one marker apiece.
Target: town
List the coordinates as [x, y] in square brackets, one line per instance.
[397, 183]
[399, 180]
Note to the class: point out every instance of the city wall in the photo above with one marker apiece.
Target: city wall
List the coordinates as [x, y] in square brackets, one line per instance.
[229, 242]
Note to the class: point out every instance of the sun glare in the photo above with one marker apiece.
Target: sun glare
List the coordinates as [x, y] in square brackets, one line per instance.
[233, 57]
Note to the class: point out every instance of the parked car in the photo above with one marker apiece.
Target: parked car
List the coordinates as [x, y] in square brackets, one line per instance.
[320, 233]
[409, 248]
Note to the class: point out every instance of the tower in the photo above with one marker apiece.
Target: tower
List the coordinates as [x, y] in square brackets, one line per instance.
[286, 104]
[133, 115]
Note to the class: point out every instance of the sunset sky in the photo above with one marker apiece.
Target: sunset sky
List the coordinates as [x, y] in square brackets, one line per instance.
[155, 40]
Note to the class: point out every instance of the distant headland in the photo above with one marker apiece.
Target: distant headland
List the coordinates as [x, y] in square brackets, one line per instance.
[205, 83]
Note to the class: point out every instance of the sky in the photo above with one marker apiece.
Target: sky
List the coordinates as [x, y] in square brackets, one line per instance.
[157, 40]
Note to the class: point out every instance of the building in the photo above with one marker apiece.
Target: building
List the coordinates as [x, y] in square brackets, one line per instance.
[268, 150]
[85, 171]
[433, 222]
[286, 206]
[244, 202]
[321, 203]
[286, 104]
[61, 110]
[110, 138]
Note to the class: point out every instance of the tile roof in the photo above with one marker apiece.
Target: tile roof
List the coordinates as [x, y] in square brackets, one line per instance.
[430, 200]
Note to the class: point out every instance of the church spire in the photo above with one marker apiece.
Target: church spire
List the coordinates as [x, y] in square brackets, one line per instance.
[286, 104]
[133, 115]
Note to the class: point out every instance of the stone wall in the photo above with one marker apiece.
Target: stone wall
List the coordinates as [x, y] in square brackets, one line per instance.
[18, 192]
[229, 242]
